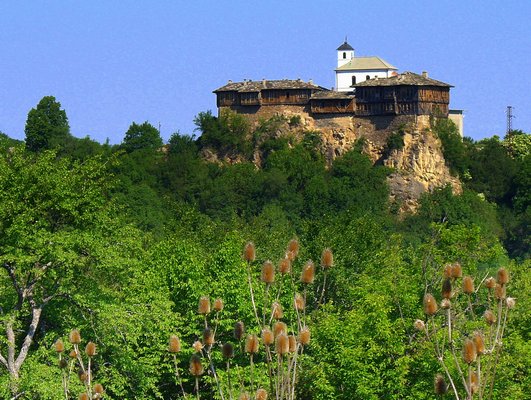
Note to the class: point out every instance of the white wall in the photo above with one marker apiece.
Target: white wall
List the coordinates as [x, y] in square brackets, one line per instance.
[344, 78]
[342, 61]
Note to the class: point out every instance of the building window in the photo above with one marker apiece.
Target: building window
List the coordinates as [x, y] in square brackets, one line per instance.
[344, 55]
[353, 80]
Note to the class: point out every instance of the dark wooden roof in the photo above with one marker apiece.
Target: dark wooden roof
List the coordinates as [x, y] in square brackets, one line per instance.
[331, 94]
[257, 86]
[345, 46]
[404, 79]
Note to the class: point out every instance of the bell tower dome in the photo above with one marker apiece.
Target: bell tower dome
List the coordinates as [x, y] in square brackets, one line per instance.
[345, 53]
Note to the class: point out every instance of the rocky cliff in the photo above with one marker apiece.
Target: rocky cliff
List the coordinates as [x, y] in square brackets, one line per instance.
[404, 143]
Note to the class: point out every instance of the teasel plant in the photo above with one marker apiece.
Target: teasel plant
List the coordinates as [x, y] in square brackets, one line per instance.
[466, 329]
[259, 361]
[74, 362]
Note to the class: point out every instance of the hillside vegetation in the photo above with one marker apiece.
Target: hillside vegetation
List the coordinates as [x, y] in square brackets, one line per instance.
[121, 241]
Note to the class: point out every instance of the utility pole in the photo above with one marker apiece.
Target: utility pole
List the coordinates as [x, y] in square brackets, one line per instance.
[510, 117]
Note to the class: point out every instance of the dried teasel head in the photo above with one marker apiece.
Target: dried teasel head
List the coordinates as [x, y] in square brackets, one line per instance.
[63, 363]
[249, 252]
[468, 284]
[502, 276]
[293, 247]
[196, 367]
[290, 256]
[298, 302]
[198, 346]
[276, 310]
[268, 338]
[90, 349]
[73, 354]
[208, 336]
[218, 305]
[304, 336]
[261, 394]
[83, 376]
[292, 341]
[59, 346]
[308, 272]
[279, 328]
[510, 302]
[284, 266]
[204, 305]
[447, 271]
[489, 317]
[474, 382]
[430, 304]
[446, 291]
[479, 342]
[490, 283]
[440, 385]
[251, 344]
[98, 388]
[175, 344]
[500, 291]
[227, 350]
[446, 304]
[419, 325]
[327, 259]
[457, 271]
[282, 344]
[469, 351]
[268, 272]
[244, 396]
[239, 330]
[83, 396]
[74, 337]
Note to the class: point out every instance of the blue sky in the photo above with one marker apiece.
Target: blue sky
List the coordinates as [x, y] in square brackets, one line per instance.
[110, 63]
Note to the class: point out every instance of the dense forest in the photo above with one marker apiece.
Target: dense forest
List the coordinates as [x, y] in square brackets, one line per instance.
[121, 241]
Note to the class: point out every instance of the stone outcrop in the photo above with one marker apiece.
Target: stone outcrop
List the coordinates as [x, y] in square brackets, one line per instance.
[417, 162]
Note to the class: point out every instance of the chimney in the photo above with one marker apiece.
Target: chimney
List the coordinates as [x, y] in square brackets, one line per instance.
[230, 81]
[310, 81]
[424, 74]
[264, 82]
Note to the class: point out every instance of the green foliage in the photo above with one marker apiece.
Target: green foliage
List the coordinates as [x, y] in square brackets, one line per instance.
[46, 126]
[454, 149]
[228, 132]
[141, 137]
[395, 141]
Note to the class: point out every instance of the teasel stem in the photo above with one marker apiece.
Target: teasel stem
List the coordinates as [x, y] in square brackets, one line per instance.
[197, 387]
[249, 279]
[469, 389]
[294, 373]
[213, 369]
[305, 302]
[252, 372]
[228, 379]
[269, 368]
[471, 309]
[89, 375]
[266, 300]
[498, 326]
[440, 358]
[177, 375]
[480, 394]
[65, 378]
[321, 298]
[498, 345]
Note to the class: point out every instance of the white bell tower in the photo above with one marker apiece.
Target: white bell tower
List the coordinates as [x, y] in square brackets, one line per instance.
[345, 53]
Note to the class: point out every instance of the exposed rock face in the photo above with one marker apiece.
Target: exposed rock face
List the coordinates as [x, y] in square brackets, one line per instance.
[418, 162]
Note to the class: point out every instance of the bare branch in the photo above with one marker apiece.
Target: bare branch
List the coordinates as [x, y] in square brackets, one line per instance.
[10, 269]
[35, 318]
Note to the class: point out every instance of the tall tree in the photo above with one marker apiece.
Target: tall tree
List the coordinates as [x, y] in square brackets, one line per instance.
[46, 125]
[141, 137]
[53, 220]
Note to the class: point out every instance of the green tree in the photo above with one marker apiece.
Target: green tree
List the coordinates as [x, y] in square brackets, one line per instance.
[46, 126]
[53, 221]
[141, 137]
[453, 146]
